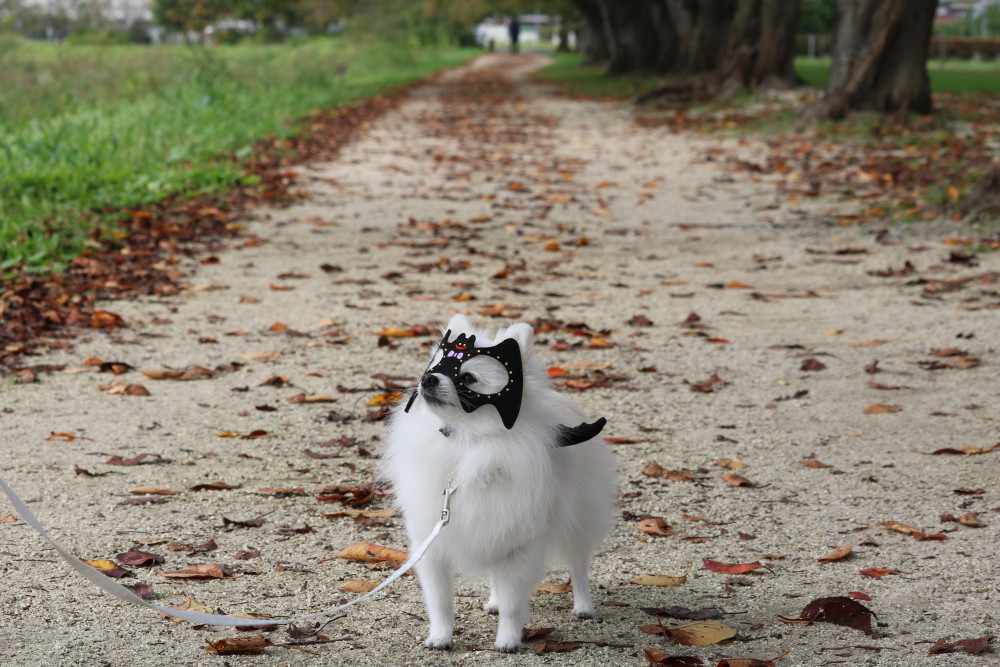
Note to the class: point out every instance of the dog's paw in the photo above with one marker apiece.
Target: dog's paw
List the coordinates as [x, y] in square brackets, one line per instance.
[438, 643]
[508, 647]
[491, 607]
[583, 614]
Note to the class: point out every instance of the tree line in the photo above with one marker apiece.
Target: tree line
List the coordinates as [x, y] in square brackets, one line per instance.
[718, 47]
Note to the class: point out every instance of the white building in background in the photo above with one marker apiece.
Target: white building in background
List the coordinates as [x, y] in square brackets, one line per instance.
[536, 29]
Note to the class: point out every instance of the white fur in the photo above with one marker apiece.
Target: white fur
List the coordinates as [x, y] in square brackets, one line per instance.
[519, 497]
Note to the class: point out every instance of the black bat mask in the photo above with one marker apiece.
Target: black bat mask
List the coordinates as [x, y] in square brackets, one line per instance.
[507, 399]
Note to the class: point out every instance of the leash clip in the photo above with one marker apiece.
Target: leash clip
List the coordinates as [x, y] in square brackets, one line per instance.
[446, 510]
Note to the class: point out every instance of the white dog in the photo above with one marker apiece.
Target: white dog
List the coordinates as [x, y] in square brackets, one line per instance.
[530, 477]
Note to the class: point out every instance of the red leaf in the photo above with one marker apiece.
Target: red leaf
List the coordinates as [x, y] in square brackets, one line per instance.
[731, 568]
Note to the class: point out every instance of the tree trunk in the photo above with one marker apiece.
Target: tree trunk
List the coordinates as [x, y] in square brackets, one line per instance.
[880, 52]
[590, 37]
[699, 50]
[760, 47]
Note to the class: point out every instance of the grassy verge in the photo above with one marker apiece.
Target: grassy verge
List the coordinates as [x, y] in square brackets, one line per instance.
[85, 130]
[579, 80]
[954, 76]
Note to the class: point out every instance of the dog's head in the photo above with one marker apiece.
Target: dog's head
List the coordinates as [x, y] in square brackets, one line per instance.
[470, 370]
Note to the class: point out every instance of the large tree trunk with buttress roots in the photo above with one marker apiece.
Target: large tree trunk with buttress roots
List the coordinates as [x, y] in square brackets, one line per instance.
[879, 58]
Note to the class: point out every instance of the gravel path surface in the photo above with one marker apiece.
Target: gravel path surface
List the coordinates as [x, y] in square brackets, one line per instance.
[708, 317]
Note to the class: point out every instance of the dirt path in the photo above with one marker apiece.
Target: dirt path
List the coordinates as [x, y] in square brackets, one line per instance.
[649, 270]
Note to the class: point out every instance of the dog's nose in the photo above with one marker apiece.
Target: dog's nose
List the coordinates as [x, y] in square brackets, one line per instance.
[429, 380]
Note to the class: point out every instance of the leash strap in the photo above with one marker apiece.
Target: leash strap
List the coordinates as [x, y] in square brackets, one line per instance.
[109, 585]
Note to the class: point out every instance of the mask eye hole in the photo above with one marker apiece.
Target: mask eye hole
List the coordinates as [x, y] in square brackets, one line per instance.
[483, 375]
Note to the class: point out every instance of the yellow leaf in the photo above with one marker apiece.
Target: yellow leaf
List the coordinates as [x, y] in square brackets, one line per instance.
[359, 585]
[102, 564]
[701, 633]
[661, 579]
[372, 553]
[552, 588]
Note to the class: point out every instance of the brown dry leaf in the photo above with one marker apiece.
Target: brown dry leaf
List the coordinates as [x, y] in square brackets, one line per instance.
[552, 588]
[656, 527]
[550, 646]
[701, 633]
[215, 486]
[239, 645]
[732, 464]
[733, 479]
[839, 554]
[372, 553]
[8, 518]
[971, 450]
[203, 571]
[812, 364]
[970, 646]
[879, 572]
[359, 585]
[869, 343]
[151, 491]
[839, 610]
[813, 463]
[707, 385]
[661, 659]
[751, 662]
[661, 579]
[899, 527]
[654, 469]
[312, 398]
[881, 409]
[970, 519]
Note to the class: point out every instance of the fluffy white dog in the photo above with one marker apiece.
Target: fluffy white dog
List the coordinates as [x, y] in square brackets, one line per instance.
[531, 478]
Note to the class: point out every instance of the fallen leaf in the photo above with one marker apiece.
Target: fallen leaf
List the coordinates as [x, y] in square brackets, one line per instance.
[731, 568]
[970, 646]
[359, 585]
[751, 662]
[660, 579]
[215, 486]
[550, 646]
[732, 464]
[839, 554]
[733, 479]
[661, 659]
[881, 409]
[812, 365]
[552, 588]
[312, 398]
[139, 558]
[879, 572]
[656, 527]
[239, 645]
[971, 450]
[204, 571]
[701, 633]
[150, 491]
[372, 553]
[813, 463]
[107, 567]
[837, 610]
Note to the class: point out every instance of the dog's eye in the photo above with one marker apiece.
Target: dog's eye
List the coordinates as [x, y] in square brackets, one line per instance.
[468, 378]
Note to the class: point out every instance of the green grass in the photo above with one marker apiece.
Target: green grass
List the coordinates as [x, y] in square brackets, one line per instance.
[569, 71]
[956, 76]
[87, 129]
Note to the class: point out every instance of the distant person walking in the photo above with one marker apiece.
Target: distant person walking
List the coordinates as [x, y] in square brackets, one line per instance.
[514, 30]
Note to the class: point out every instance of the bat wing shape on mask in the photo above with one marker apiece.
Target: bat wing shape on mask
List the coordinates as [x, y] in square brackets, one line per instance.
[567, 436]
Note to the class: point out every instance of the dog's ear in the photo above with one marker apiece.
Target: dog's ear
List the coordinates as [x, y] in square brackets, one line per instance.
[523, 334]
[459, 323]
